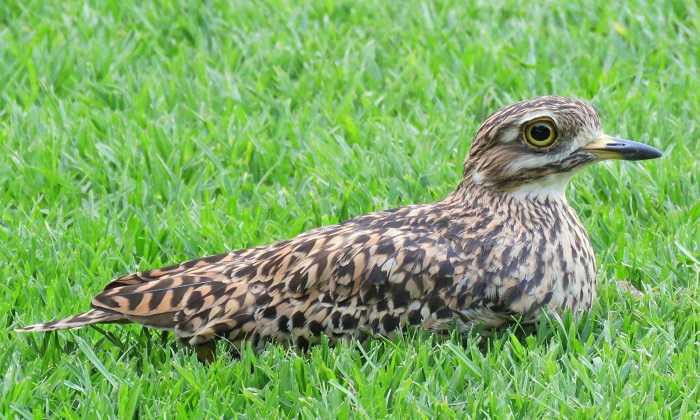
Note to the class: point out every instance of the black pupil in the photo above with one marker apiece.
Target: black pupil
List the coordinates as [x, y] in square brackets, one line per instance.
[540, 132]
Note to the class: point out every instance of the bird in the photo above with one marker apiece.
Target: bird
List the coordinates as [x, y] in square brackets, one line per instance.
[504, 247]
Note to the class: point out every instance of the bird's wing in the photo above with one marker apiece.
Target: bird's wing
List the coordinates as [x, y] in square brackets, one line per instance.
[335, 284]
[372, 274]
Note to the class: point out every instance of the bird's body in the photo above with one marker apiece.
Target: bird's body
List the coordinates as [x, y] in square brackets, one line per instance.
[502, 247]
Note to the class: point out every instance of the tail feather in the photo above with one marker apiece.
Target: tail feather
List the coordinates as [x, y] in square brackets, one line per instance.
[152, 304]
[94, 316]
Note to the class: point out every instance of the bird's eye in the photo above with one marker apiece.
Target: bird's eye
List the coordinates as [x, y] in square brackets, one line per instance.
[541, 133]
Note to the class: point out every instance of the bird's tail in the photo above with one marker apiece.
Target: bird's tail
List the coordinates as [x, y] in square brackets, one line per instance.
[94, 316]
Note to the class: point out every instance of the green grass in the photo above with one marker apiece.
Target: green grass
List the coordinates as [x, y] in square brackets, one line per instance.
[135, 136]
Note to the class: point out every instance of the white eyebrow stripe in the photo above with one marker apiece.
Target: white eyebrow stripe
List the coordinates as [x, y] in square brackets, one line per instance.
[536, 115]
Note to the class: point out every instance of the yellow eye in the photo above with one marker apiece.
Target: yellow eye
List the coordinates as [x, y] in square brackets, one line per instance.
[541, 133]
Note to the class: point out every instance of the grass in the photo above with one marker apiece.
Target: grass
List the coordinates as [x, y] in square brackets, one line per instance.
[135, 136]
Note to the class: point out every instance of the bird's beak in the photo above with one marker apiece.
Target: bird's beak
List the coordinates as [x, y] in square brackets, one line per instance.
[607, 147]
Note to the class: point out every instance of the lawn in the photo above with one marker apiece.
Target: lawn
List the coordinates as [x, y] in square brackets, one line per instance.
[136, 135]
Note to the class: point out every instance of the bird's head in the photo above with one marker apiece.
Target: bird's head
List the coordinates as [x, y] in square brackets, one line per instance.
[534, 147]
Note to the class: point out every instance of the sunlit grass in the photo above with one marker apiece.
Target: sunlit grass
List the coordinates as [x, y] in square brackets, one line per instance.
[138, 134]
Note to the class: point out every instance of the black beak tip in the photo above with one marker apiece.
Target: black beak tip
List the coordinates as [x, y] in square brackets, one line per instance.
[648, 153]
[631, 150]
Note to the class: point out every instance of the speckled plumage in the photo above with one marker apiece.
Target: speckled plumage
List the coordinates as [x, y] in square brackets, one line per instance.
[501, 247]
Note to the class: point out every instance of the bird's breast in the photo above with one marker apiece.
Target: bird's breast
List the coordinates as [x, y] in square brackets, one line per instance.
[523, 256]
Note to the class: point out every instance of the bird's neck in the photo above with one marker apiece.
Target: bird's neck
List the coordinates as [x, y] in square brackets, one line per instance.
[532, 198]
[548, 188]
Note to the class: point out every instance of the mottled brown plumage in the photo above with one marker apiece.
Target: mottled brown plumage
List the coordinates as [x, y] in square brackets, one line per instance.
[502, 247]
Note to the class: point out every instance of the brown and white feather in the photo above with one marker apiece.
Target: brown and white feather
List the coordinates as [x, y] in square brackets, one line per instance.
[481, 255]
